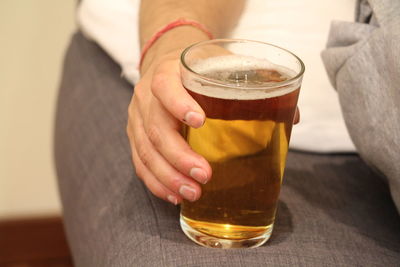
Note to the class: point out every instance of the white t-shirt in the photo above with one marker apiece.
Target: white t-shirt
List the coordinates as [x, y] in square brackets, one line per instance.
[300, 26]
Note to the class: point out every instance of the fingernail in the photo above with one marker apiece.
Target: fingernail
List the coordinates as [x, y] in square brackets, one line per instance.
[194, 119]
[187, 192]
[172, 199]
[199, 175]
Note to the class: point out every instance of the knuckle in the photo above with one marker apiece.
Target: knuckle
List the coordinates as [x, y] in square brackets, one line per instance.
[180, 161]
[130, 111]
[138, 94]
[154, 135]
[139, 172]
[143, 155]
[132, 108]
[139, 169]
[158, 82]
[129, 131]
[174, 183]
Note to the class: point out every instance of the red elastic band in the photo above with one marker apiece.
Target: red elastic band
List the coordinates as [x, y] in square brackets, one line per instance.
[170, 26]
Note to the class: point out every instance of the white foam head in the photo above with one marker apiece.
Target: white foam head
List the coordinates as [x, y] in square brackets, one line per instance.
[243, 91]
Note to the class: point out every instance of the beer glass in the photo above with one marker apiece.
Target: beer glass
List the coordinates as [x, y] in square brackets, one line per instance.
[248, 91]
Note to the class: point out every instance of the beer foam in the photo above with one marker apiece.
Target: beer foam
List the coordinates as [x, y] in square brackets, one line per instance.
[231, 64]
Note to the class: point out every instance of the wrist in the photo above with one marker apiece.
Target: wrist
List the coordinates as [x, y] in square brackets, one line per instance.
[175, 40]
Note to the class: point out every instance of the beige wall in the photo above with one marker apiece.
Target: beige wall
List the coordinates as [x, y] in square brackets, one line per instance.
[33, 38]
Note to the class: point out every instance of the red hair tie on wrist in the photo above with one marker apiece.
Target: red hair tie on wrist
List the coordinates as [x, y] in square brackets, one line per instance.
[168, 27]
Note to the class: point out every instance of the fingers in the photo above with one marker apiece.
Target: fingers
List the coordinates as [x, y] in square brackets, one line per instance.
[166, 86]
[162, 132]
[161, 125]
[154, 167]
[157, 188]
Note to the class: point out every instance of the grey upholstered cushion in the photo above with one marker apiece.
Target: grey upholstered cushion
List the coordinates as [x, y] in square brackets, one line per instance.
[333, 210]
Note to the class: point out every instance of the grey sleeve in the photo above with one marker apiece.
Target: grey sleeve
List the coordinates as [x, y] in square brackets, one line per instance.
[362, 60]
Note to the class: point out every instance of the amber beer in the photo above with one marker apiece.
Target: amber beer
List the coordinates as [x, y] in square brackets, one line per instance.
[245, 139]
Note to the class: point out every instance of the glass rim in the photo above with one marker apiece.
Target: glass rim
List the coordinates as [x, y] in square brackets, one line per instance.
[228, 40]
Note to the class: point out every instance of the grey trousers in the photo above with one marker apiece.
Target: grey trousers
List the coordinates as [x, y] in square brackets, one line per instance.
[333, 210]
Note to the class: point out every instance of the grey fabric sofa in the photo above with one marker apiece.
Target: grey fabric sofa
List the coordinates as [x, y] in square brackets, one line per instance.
[333, 210]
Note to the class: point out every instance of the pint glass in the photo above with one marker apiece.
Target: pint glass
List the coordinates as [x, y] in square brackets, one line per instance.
[248, 91]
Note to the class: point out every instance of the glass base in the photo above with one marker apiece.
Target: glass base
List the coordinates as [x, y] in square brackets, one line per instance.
[217, 242]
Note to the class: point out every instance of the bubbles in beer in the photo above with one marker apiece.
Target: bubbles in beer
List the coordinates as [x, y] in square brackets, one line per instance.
[252, 78]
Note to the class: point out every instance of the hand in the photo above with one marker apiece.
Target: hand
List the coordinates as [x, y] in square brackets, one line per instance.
[170, 169]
